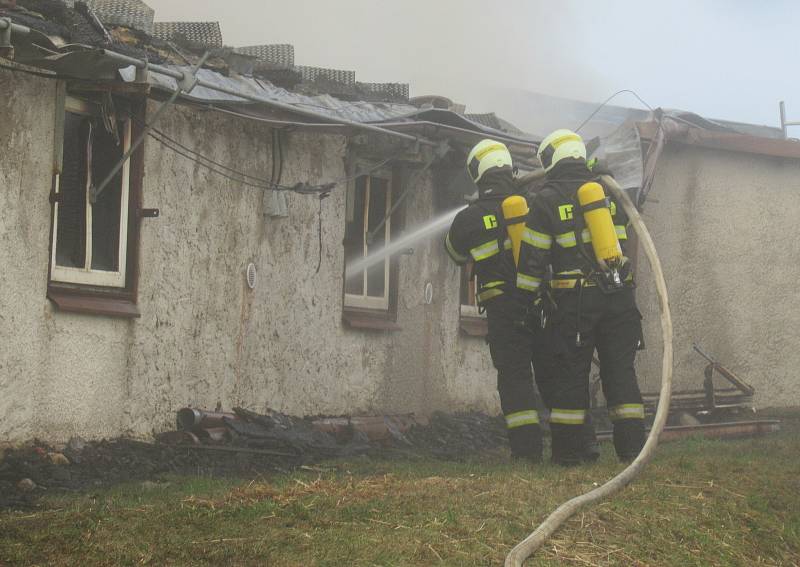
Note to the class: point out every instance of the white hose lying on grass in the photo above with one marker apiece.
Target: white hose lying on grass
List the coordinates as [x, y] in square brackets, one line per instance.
[535, 540]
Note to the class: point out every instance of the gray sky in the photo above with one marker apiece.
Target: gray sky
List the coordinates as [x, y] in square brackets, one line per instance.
[728, 59]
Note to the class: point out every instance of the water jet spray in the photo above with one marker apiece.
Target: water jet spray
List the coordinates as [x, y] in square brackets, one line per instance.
[403, 243]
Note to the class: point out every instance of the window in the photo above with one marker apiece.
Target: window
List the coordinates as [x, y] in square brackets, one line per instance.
[370, 295]
[469, 285]
[93, 234]
[368, 229]
[471, 320]
[90, 235]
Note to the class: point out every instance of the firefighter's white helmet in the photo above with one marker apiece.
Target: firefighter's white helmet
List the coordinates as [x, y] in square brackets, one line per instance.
[487, 155]
[559, 145]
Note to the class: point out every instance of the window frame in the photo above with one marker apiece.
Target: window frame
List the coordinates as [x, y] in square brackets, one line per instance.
[471, 321]
[469, 309]
[364, 317]
[87, 275]
[95, 299]
[366, 301]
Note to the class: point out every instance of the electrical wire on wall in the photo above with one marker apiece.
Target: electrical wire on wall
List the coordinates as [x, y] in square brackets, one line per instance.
[653, 149]
[319, 231]
[216, 167]
[609, 99]
[251, 180]
[322, 191]
[232, 173]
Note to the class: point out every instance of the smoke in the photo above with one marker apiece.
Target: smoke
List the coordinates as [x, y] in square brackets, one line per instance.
[720, 58]
[463, 49]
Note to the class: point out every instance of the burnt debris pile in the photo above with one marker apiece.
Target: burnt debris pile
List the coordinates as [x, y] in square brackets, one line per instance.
[455, 437]
[240, 443]
[442, 435]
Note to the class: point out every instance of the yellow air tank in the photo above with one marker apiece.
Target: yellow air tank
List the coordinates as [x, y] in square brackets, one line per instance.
[600, 224]
[515, 207]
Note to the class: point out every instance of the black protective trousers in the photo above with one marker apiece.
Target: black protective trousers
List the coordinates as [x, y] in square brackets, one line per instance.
[587, 320]
[511, 347]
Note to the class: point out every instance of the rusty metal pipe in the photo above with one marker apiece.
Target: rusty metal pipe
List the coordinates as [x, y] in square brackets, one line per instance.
[192, 418]
[724, 430]
[5, 23]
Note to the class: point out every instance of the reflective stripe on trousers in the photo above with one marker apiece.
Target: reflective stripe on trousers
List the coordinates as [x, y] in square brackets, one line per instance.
[567, 416]
[626, 411]
[520, 418]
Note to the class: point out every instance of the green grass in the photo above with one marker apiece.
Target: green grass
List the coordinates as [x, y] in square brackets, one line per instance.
[700, 503]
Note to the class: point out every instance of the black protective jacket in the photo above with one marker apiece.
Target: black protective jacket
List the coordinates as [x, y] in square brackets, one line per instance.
[550, 232]
[478, 235]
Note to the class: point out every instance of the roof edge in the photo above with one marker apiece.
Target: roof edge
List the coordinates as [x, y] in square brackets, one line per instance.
[728, 141]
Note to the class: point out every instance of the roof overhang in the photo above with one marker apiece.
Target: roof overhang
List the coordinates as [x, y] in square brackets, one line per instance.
[680, 133]
[523, 150]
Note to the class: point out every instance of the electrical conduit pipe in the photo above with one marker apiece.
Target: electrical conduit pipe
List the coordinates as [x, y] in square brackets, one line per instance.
[555, 520]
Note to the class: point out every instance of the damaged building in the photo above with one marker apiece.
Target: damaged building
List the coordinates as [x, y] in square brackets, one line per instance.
[208, 271]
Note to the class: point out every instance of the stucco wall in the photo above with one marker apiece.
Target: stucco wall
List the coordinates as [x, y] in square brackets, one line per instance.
[204, 337]
[725, 226]
[25, 105]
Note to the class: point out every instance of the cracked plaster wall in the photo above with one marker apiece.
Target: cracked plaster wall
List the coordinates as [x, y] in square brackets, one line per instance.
[724, 224]
[204, 337]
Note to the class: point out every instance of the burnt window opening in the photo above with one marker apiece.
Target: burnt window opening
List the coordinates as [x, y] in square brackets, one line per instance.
[91, 237]
[468, 292]
[469, 284]
[472, 321]
[370, 202]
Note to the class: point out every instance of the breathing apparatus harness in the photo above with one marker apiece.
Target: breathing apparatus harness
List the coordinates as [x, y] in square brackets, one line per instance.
[502, 233]
[608, 268]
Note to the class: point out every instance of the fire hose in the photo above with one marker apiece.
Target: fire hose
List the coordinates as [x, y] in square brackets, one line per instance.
[556, 519]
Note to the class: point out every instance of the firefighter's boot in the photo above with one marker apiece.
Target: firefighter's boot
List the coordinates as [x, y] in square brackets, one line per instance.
[591, 448]
[629, 438]
[526, 443]
[568, 444]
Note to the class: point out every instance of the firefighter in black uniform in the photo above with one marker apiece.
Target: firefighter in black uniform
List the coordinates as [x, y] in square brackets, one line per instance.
[592, 306]
[478, 235]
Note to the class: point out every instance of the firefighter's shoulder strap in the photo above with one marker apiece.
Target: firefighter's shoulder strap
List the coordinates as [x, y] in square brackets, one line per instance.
[579, 224]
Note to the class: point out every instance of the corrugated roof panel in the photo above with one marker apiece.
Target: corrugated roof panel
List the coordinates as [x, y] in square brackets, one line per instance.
[397, 90]
[129, 13]
[205, 33]
[312, 74]
[487, 119]
[279, 53]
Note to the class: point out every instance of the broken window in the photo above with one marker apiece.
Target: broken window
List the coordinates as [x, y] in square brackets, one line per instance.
[471, 321]
[90, 230]
[368, 229]
[469, 286]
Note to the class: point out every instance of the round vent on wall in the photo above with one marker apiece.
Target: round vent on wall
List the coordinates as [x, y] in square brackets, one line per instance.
[252, 276]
